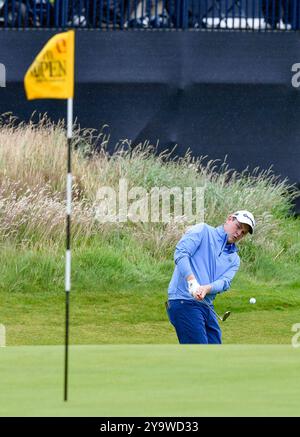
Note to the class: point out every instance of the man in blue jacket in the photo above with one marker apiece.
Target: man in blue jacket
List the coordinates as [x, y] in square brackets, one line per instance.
[206, 261]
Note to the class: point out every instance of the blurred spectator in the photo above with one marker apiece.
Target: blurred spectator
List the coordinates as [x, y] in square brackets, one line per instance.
[278, 13]
[97, 13]
[149, 13]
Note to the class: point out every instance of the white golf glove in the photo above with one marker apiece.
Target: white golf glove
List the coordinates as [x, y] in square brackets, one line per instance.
[193, 286]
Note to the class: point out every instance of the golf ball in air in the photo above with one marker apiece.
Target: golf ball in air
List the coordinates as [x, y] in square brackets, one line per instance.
[252, 300]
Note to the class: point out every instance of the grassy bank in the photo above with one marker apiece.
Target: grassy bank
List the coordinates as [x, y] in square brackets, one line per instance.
[116, 299]
[120, 272]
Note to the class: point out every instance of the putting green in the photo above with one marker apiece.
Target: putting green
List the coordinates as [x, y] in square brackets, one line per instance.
[151, 380]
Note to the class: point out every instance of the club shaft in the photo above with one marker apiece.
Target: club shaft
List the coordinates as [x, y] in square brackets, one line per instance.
[219, 317]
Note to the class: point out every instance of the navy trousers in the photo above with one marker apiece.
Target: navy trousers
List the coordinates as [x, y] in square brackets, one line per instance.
[194, 322]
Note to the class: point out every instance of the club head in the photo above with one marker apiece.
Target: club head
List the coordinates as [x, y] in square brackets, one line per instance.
[226, 315]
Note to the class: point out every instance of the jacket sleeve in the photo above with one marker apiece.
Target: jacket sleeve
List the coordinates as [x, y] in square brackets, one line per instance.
[186, 247]
[224, 282]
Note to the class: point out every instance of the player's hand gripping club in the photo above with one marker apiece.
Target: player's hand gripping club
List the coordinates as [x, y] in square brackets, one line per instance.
[196, 290]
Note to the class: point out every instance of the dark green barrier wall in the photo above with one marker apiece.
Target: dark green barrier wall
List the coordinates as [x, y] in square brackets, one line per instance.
[219, 93]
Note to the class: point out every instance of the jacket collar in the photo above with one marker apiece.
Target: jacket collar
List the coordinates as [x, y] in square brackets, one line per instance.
[222, 236]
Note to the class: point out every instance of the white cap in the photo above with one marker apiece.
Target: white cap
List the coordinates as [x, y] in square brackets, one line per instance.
[245, 217]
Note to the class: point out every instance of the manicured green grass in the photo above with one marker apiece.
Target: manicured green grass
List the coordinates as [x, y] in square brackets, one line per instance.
[151, 380]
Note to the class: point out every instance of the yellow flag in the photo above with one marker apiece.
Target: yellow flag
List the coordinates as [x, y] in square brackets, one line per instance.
[51, 75]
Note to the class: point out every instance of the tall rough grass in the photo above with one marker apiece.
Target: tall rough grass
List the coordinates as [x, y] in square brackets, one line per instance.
[32, 190]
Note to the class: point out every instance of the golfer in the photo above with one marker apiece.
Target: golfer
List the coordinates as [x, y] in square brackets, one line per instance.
[206, 261]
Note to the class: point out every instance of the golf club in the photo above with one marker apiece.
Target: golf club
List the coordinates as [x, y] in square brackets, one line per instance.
[222, 318]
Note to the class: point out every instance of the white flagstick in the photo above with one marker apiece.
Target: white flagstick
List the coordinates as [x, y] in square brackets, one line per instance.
[68, 237]
[2, 336]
